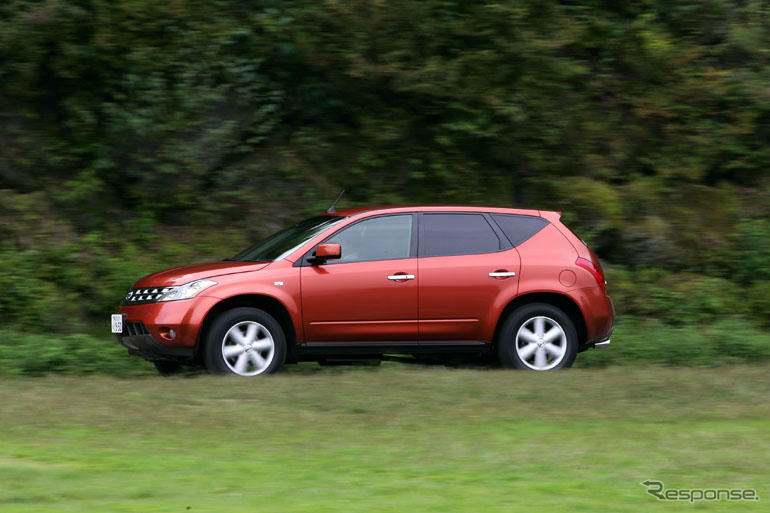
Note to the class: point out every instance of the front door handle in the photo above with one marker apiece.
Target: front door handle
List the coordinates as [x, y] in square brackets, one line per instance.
[398, 277]
[502, 274]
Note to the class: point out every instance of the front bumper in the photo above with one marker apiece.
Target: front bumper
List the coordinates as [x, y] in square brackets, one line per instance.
[150, 349]
[142, 325]
[185, 317]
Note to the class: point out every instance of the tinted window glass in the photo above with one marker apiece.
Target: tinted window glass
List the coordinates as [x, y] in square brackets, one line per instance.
[519, 228]
[457, 234]
[380, 238]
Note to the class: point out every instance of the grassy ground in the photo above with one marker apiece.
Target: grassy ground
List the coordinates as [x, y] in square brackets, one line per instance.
[390, 439]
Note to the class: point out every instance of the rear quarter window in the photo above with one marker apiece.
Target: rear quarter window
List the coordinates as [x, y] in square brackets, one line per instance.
[518, 228]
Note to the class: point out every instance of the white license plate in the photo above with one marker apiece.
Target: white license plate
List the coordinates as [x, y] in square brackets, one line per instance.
[117, 323]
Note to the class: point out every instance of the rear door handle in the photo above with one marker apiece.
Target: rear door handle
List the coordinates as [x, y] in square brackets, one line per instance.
[502, 274]
[401, 277]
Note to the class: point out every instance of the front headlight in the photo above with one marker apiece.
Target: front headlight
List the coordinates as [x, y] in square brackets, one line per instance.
[186, 291]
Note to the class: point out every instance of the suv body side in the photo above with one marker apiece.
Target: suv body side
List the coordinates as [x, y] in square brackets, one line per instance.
[452, 298]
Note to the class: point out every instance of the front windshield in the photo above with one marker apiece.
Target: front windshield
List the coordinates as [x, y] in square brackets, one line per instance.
[282, 243]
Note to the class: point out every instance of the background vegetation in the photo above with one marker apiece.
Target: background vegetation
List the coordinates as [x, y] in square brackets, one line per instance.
[136, 135]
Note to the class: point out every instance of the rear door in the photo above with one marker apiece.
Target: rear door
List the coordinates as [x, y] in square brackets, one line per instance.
[466, 265]
[370, 294]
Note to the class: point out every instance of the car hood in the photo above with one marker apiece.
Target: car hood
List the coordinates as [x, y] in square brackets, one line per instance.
[188, 273]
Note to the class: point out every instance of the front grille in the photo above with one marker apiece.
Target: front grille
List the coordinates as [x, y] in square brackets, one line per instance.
[134, 329]
[142, 296]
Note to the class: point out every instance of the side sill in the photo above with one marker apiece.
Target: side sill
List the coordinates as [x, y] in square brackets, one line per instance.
[369, 348]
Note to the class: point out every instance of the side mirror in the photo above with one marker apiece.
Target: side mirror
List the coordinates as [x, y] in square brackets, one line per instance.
[325, 252]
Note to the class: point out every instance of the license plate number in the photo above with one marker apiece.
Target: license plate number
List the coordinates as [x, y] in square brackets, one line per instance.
[117, 323]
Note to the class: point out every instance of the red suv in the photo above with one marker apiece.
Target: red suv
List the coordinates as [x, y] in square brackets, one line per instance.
[364, 283]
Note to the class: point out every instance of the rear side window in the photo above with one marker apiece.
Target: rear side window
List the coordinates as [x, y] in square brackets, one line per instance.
[519, 228]
[457, 234]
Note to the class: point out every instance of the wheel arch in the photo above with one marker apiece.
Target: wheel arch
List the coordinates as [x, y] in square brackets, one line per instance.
[263, 302]
[560, 301]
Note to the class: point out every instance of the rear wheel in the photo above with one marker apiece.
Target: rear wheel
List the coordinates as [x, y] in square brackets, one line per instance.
[246, 342]
[537, 337]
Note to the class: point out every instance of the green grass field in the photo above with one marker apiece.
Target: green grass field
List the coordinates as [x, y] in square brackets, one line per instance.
[393, 438]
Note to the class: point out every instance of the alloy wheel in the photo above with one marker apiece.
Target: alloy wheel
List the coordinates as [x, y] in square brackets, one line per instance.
[541, 343]
[248, 348]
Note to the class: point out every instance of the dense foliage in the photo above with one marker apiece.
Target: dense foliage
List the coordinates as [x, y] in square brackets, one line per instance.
[137, 134]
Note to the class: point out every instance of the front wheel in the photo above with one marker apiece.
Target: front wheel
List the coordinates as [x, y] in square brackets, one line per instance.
[246, 342]
[537, 337]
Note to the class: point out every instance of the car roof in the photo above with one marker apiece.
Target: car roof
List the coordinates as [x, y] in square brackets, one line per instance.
[347, 212]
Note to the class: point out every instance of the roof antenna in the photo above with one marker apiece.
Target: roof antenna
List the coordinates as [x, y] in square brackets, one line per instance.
[331, 209]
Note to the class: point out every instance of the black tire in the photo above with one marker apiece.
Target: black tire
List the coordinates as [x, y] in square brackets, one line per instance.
[240, 319]
[507, 342]
[167, 368]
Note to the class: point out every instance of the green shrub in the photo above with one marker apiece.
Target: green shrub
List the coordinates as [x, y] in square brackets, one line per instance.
[27, 354]
[674, 298]
[757, 302]
[635, 342]
[752, 259]
[638, 341]
[737, 340]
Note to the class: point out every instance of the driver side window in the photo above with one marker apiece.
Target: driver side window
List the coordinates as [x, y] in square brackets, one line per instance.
[379, 238]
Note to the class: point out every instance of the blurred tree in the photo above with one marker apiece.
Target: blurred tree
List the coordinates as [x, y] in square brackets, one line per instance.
[647, 122]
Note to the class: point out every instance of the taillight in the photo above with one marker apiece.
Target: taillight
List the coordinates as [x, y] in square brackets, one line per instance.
[596, 270]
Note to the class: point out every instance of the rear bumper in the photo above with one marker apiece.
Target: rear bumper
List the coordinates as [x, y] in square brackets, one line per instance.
[602, 342]
[598, 313]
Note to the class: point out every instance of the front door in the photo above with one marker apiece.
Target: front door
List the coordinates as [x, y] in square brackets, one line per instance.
[370, 293]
